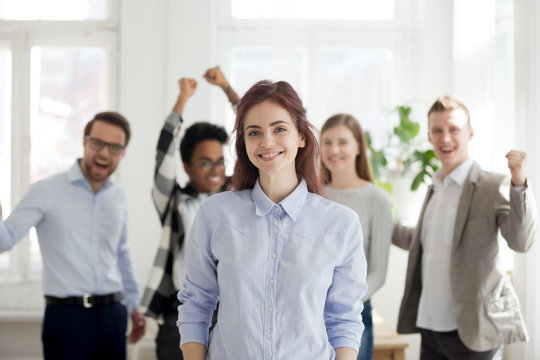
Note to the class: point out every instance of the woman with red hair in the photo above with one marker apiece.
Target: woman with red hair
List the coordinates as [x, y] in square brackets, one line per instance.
[286, 264]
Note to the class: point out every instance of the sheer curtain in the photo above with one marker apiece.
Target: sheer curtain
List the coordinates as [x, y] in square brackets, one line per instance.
[527, 113]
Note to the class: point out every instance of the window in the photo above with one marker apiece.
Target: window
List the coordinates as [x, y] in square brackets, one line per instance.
[68, 87]
[365, 75]
[339, 58]
[53, 9]
[55, 74]
[313, 9]
[250, 64]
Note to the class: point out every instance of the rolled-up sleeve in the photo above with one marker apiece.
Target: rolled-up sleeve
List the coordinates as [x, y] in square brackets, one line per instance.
[343, 309]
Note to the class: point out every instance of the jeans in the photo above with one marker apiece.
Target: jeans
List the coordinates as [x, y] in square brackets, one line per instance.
[366, 346]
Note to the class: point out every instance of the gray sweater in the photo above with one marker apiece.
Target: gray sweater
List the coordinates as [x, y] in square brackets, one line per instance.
[374, 210]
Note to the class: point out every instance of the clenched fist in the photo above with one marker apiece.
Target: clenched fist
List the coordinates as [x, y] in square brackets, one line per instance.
[517, 163]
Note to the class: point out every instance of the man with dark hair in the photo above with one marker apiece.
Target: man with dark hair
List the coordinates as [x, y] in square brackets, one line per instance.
[112, 118]
[81, 222]
[201, 151]
[456, 295]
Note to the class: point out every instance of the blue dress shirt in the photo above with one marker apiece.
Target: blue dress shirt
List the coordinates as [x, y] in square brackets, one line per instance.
[289, 277]
[82, 236]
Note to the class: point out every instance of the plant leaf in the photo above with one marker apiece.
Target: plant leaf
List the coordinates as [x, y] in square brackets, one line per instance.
[418, 179]
[385, 185]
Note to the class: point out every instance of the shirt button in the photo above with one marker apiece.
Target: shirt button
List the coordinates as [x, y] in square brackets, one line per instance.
[270, 309]
[268, 337]
[276, 209]
[274, 256]
[276, 231]
[272, 282]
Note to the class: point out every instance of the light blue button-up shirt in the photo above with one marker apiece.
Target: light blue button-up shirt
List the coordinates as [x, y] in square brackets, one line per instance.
[82, 236]
[289, 277]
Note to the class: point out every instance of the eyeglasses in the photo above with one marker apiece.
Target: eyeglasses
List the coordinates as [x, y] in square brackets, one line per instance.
[98, 144]
[208, 165]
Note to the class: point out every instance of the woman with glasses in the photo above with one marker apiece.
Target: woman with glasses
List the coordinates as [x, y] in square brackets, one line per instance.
[286, 264]
[201, 152]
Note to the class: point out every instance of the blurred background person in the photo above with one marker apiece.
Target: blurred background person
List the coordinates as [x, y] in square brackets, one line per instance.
[348, 180]
[201, 152]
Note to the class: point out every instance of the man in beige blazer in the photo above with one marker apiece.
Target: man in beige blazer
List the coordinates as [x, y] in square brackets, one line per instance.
[456, 295]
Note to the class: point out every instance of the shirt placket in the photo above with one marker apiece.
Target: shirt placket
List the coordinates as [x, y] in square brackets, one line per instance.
[95, 239]
[271, 278]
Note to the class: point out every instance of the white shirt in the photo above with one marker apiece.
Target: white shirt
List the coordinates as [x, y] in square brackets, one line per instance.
[188, 208]
[436, 308]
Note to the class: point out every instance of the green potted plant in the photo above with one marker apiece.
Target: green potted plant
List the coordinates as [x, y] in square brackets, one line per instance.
[402, 146]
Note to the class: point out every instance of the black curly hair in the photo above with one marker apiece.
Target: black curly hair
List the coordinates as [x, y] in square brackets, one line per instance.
[198, 132]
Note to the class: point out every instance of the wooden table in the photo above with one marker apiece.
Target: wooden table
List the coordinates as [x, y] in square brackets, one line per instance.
[387, 344]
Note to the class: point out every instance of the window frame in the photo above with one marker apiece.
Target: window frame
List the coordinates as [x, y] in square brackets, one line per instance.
[401, 12]
[286, 34]
[111, 21]
[21, 37]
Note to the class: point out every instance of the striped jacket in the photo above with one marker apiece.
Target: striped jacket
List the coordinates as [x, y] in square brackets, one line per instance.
[168, 197]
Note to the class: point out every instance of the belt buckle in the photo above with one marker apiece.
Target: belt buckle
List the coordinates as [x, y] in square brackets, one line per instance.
[86, 303]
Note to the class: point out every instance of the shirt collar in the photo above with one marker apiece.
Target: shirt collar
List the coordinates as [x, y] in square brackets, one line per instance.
[292, 204]
[458, 175]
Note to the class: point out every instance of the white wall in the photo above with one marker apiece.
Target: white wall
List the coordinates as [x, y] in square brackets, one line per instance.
[142, 100]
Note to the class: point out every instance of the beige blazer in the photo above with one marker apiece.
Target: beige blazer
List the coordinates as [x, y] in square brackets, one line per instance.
[485, 303]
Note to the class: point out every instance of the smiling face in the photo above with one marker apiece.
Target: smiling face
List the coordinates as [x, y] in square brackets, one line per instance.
[339, 149]
[272, 140]
[96, 165]
[450, 133]
[207, 167]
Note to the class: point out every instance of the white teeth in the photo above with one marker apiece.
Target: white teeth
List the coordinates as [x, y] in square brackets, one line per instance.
[268, 155]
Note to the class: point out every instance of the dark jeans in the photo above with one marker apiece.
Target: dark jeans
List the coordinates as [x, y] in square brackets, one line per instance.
[366, 346]
[448, 346]
[74, 332]
[168, 337]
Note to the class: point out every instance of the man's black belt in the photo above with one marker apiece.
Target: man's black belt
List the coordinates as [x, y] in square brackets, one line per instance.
[87, 300]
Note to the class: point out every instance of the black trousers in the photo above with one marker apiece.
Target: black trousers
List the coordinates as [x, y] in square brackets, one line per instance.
[168, 337]
[74, 332]
[448, 346]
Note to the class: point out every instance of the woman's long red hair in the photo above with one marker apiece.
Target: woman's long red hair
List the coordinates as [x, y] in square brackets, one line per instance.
[282, 94]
